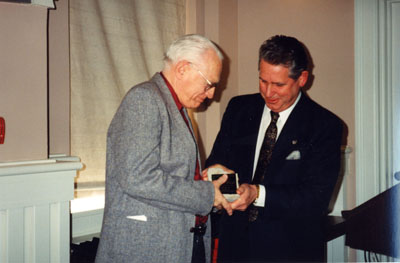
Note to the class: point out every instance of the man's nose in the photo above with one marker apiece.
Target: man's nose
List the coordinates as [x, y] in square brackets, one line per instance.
[268, 90]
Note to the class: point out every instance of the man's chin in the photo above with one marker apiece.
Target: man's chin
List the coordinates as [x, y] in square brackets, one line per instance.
[193, 106]
[272, 106]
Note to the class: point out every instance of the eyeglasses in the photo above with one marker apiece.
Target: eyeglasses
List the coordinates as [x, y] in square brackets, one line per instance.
[209, 83]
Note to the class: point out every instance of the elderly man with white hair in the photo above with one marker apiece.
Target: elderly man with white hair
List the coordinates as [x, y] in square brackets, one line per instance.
[156, 201]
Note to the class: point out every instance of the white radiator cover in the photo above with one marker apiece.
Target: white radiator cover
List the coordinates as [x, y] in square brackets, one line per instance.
[35, 210]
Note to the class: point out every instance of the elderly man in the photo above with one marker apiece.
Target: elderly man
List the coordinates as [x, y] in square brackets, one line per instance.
[286, 150]
[155, 198]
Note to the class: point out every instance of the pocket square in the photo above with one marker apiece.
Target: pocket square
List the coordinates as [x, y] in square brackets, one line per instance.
[139, 218]
[295, 155]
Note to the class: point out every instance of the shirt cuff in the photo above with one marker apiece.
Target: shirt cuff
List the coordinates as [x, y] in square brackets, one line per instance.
[260, 201]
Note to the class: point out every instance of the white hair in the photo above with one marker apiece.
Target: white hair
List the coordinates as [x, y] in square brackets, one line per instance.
[190, 48]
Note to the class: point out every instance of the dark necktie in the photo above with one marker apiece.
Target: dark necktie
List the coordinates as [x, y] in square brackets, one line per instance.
[264, 158]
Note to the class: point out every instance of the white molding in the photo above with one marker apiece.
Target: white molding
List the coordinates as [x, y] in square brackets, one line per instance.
[86, 225]
[39, 166]
[374, 97]
[390, 20]
[34, 210]
[46, 3]
[367, 99]
[394, 78]
[3, 241]
[17, 163]
[336, 249]
[338, 202]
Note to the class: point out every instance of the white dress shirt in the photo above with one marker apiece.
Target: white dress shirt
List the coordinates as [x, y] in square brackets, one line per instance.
[265, 120]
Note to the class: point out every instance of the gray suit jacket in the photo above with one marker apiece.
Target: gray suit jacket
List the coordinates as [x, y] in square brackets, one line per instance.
[151, 161]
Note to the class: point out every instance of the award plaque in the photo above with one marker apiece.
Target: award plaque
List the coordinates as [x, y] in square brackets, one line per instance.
[228, 189]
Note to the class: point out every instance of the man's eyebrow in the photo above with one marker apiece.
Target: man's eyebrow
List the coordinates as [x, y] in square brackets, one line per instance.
[273, 82]
[280, 83]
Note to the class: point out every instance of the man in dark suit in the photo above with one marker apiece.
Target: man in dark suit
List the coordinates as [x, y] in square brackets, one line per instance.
[287, 171]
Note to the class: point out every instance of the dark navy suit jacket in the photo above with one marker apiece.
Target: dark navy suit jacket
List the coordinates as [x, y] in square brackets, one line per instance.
[298, 190]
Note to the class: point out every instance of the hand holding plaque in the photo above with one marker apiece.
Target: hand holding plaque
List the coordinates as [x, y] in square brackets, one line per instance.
[228, 189]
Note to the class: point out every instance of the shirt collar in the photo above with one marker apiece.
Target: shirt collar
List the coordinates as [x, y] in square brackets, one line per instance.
[173, 93]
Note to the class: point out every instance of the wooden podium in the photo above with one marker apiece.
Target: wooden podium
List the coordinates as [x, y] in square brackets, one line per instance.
[374, 226]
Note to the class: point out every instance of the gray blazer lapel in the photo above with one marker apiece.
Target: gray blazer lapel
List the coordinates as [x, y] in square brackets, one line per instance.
[173, 109]
[169, 101]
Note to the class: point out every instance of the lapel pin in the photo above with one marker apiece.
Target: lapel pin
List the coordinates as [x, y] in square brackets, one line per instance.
[294, 142]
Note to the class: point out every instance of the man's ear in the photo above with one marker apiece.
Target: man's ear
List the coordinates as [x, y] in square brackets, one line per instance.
[181, 68]
[303, 78]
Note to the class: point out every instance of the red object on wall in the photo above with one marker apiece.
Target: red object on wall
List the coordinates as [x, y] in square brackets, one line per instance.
[2, 130]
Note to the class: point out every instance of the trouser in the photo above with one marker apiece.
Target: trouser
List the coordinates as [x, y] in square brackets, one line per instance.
[199, 253]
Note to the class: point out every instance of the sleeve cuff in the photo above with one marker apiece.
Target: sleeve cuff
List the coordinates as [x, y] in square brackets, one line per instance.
[260, 201]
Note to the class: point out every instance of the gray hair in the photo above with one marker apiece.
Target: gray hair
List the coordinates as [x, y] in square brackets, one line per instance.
[286, 51]
[190, 48]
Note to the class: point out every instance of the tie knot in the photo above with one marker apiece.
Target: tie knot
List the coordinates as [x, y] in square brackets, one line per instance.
[274, 116]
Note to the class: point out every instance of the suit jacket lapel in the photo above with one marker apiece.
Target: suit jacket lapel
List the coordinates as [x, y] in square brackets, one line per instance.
[172, 108]
[253, 127]
[175, 114]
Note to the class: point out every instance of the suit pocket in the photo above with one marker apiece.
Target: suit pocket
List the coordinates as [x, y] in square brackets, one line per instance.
[287, 173]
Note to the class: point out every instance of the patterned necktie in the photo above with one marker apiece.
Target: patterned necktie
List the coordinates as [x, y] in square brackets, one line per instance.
[264, 158]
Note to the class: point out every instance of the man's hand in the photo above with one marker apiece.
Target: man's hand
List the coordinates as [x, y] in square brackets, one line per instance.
[248, 193]
[204, 175]
[219, 200]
